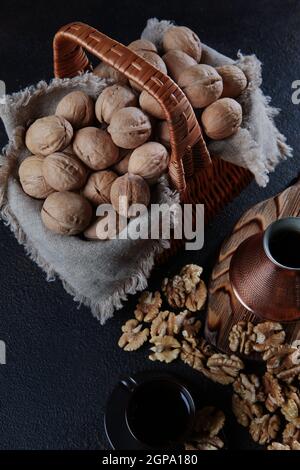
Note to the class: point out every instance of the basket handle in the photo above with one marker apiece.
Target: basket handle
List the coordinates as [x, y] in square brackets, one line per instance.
[188, 149]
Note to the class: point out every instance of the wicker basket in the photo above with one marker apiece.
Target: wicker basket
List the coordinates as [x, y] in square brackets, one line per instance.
[198, 177]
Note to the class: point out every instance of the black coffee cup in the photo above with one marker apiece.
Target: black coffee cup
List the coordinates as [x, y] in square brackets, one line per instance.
[160, 412]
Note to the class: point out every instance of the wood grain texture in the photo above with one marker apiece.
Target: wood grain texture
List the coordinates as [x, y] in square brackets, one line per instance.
[224, 310]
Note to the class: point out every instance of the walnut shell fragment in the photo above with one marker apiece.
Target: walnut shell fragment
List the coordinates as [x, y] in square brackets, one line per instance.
[165, 349]
[134, 336]
[148, 306]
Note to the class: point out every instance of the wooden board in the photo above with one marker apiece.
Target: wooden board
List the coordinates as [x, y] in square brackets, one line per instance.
[224, 310]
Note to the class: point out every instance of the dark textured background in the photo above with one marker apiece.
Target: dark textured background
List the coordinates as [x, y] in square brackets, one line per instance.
[61, 364]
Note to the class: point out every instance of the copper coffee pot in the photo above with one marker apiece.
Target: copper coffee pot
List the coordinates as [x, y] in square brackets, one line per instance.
[265, 272]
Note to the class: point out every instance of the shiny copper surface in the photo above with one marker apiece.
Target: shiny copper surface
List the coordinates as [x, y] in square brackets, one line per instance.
[269, 291]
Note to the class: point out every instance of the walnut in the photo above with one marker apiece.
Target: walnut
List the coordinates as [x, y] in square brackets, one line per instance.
[159, 326]
[32, 179]
[241, 337]
[182, 39]
[205, 443]
[163, 133]
[112, 99]
[291, 407]
[152, 58]
[64, 172]
[191, 274]
[150, 105]
[128, 190]
[165, 349]
[66, 213]
[191, 327]
[234, 80]
[95, 148]
[148, 306]
[291, 434]
[177, 62]
[223, 369]
[192, 356]
[106, 227]
[142, 45]
[48, 135]
[284, 361]
[268, 334]
[134, 336]
[122, 166]
[209, 421]
[129, 127]
[78, 108]
[105, 71]
[196, 299]
[265, 428]
[274, 393]
[244, 411]
[98, 186]
[248, 387]
[278, 446]
[222, 118]
[202, 85]
[177, 322]
[186, 289]
[150, 161]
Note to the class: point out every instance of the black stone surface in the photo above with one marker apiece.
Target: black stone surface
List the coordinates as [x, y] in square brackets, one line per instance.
[61, 364]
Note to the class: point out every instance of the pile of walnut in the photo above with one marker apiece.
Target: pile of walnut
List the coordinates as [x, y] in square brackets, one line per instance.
[268, 405]
[89, 153]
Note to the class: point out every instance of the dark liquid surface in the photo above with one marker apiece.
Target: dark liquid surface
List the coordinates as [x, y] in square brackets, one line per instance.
[158, 413]
[285, 248]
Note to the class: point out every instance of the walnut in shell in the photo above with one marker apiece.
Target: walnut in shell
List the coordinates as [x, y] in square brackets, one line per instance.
[106, 71]
[165, 349]
[265, 428]
[163, 133]
[98, 186]
[66, 213]
[122, 166]
[78, 108]
[234, 80]
[241, 337]
[176, 62]
[148, 306]
[142, 45]
[129, 127]
[48, 135]
[183, 39]
[222, 118]
[106, 227]
[112, 99]
[64, 172]
[244, 411]
[150, 161]
[152, 58]
[128, 190]
[202, 85]
[32, 179]
[134, 335]
[150, 105]
[95, 148]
